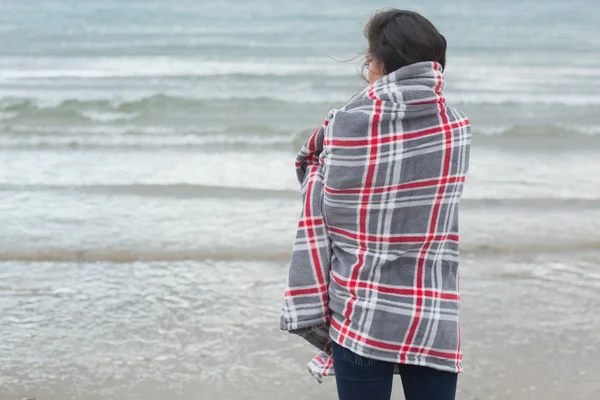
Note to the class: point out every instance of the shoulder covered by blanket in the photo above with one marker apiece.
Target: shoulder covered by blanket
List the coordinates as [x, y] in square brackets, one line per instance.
[398, 134]
[411, 93]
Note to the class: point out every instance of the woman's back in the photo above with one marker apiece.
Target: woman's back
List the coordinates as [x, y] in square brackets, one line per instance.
[373, 279]
[393, 164]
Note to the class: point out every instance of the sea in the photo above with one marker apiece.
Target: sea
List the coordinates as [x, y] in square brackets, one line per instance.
[148, 199]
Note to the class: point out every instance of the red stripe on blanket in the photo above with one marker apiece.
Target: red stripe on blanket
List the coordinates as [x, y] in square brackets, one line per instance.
[393, 138]
[305, 291]
[396, 291]
[311, 222]
[404, 186]
[391, 346]
[420, 278]
[365, 202]
[392, 239]
[310, 233]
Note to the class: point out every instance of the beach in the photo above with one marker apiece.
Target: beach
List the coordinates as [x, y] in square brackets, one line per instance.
[181, 330]
[149, 199]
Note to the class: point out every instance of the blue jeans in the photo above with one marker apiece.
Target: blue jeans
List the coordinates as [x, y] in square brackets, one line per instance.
[360, 378]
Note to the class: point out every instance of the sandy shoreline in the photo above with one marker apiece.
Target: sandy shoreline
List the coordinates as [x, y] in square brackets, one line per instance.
[186, 330]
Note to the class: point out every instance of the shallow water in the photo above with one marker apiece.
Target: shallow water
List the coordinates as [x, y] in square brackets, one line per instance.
[209, 330]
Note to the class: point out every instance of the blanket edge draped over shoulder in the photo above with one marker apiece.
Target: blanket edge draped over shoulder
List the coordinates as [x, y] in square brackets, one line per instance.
[306, 309]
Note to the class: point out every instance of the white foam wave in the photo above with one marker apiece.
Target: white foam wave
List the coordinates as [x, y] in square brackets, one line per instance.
[542, 131]
[103, 116]
[138, 140]
[4, 116]
[255, 92]
[134, 136]
[127, 67]
[488, 97]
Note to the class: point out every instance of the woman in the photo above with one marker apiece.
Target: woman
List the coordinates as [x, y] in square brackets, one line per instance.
[373, 281]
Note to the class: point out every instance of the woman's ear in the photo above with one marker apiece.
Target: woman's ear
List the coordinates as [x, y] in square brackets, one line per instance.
[376, 71]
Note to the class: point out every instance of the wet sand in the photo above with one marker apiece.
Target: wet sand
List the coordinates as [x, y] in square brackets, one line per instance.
[209, 330]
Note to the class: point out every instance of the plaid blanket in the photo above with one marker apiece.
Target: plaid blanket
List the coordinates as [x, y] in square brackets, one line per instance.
[375, 261]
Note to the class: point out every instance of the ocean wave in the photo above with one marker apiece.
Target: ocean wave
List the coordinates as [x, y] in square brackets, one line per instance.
[162, 66]
[141, 138]
[64, 112]
[172, 121]
[178, 190]
[104, 116]
[542, 131]
[153, 106]
[155, 101]
[107, 106]
[516, 98]
[8, 115]
[130, 136]
[271, 254]
[117, 255]
[196, 190]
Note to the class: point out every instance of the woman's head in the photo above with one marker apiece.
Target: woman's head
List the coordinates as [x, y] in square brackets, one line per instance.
[397, 38]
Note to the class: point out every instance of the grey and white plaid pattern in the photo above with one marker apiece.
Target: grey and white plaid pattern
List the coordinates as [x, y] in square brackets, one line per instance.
[375, 262]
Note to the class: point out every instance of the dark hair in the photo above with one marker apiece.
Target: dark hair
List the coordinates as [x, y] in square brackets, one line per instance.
[398, 38]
